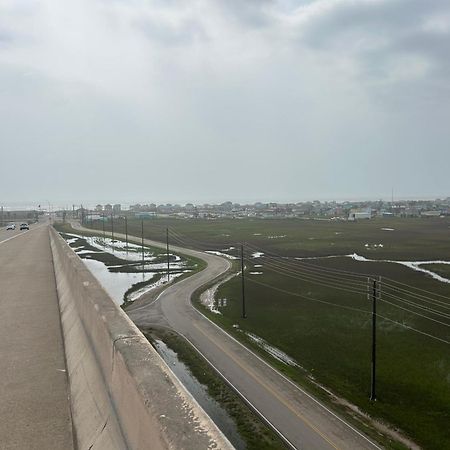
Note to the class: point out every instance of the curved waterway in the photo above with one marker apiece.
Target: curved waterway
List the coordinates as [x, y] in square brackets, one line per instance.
[413, 265]
[126, 272]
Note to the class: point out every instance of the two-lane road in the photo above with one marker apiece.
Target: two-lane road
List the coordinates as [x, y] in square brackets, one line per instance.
[301, 420]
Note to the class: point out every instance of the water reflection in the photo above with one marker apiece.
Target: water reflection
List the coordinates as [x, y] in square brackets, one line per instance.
[125, 271]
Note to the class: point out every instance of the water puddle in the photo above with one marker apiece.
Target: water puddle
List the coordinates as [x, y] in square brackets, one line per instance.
[413, 265]
[272, 351]
[126, 272]
[224, 255]
[207, 298]
[214, 410]
[116, 284]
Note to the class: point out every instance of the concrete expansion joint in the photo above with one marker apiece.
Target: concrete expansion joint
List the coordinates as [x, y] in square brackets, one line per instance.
[120, 338]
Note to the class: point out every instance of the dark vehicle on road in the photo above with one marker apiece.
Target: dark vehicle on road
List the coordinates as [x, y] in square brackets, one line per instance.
[24, 226]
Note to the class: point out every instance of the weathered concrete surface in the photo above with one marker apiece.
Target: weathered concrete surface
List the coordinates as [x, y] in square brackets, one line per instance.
[123, 394]
[34, 405]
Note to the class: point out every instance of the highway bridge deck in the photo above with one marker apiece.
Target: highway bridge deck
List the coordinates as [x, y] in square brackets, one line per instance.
[34, 404]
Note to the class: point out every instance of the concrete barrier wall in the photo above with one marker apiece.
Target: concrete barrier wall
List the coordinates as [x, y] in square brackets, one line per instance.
[123, 395]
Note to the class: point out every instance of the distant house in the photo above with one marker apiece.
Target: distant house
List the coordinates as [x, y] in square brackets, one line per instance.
[430, 213]
[99, 208]
[94, 217]
[108, 208]
[356, 214]
[145, 215]
[117, 208]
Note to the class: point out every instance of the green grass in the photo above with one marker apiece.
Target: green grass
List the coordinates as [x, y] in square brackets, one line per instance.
[441, 269]
[411, 239]
[333, 344]
[254, 432]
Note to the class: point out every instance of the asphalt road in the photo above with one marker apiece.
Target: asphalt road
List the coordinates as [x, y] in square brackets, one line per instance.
[34, 406]
[302, 421]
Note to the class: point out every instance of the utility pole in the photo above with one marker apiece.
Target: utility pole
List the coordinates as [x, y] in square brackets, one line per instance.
[126, 232]
[167, 250]
[375, 293]
[103, 225]
[142, 245]
[112, 228]
[244, 313]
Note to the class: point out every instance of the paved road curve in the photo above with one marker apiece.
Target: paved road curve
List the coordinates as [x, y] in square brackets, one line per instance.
[304, 422]
[34, 406]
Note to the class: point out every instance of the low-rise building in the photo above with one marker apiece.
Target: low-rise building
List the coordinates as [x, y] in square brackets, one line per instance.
[356, 214]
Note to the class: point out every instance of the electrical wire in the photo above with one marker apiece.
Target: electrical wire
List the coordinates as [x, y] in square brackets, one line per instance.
[308, 298]
[423, 298]
[413, 329]
[416, 305]
[413, 312]
[326, 277]
[314, 280]
[352, 309]
[295, 269]
[311, 265]
[418, 289]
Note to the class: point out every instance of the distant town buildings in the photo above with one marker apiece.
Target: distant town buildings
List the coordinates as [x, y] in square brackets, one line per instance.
[330, 210]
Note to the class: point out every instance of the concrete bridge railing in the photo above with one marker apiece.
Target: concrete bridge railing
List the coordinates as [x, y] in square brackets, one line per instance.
[123, 395]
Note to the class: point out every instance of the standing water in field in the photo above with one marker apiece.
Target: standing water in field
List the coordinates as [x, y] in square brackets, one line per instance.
[124, 270]
[413, 265]
[217, 413]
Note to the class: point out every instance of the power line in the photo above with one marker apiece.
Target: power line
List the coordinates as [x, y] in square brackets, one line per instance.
[418, 289]
[421, 297]
[314, 280]
[415, 313]
[416, 305]
[351, 309]
[294, 269]
[307, 298]
[195, 242]
[413, 329]
[315, 266]
[326, 277]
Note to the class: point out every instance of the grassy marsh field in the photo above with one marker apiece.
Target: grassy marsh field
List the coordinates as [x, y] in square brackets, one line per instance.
[330, 343]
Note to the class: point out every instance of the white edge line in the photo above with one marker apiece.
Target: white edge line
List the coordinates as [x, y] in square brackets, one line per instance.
[246, 400]
[287, 379]
[262, 360]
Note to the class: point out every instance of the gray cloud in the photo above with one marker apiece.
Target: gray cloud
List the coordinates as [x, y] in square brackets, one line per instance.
[201, 100]
[379, 33]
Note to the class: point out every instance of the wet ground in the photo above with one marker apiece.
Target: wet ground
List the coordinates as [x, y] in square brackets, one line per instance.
[126, 271]
[219, 415]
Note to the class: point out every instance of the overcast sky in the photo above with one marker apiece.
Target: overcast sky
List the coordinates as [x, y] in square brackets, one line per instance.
[212, 100]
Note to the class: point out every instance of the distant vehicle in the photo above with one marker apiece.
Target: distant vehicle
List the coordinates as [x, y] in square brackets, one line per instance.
[24, 226]
[11, 226]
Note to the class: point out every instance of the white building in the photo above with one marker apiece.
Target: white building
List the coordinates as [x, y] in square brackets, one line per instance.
[357, 214]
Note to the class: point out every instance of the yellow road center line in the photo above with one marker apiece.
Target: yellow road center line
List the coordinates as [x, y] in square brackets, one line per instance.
[268, 388]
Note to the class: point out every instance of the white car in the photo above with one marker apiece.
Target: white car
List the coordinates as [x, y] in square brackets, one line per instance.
[11, 226]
